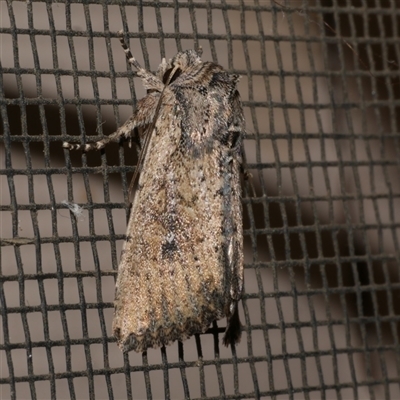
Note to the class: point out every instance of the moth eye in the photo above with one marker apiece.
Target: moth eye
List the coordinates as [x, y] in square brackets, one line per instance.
[166, 77]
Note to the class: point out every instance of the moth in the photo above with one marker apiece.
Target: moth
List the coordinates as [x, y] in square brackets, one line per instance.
[181, 266]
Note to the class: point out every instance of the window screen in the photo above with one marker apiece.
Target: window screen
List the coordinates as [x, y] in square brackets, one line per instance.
[320, 88]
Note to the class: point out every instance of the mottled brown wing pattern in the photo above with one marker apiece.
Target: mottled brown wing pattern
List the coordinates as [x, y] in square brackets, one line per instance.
[182, 264]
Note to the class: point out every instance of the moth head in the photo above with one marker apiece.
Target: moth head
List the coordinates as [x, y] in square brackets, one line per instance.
[181, 63]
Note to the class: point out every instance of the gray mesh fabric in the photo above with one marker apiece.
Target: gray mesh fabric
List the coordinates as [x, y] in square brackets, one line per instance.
[320, 86]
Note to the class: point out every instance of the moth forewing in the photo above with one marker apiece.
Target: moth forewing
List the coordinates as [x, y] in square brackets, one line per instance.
[181, 266]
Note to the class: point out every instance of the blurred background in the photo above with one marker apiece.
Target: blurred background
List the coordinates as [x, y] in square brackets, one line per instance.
[320, 85]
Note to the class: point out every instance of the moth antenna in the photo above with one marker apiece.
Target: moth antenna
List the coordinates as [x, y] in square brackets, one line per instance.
[145, 145]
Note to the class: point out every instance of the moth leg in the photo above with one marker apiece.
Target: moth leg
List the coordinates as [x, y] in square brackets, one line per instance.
[142, 117]
[123, 131]
[146, 108]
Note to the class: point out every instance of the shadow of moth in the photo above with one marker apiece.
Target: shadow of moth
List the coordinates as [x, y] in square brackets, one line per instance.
[181, 266]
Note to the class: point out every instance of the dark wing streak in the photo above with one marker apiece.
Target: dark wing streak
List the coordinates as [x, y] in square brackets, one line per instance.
[147, 137]
[149, 132]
